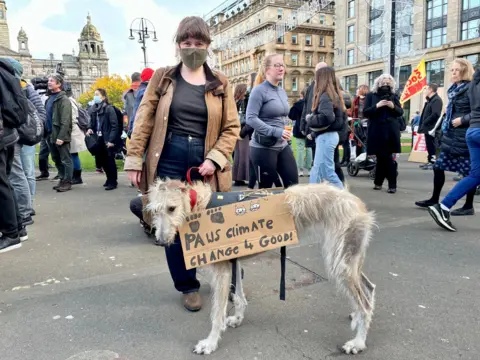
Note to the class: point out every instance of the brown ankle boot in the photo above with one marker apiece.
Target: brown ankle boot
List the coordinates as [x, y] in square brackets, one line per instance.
[65, 186]
[192, 301]
[60, 182]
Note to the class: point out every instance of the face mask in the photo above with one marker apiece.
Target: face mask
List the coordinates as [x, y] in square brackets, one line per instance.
[193, 58]
[385, 88]
[97, 99]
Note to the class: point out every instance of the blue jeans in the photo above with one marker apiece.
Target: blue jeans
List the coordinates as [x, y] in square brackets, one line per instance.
[19, 182]
[304, 155]
[178, 155]
[77, 165]
[27, 155]
[324, 162]
[471, 181]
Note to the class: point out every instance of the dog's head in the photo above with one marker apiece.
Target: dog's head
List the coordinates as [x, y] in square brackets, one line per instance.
[169, 203]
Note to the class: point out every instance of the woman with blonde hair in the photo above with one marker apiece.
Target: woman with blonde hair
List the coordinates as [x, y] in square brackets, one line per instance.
[383, 110]
[326, 123]
[241, 158]
[267, 113]
[454, 154]
[187, 118]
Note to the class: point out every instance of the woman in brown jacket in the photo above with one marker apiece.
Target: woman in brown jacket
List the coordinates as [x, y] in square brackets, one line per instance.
[187, 118]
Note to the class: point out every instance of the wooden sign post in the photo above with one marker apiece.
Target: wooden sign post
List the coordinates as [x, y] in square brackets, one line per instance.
[237, 230]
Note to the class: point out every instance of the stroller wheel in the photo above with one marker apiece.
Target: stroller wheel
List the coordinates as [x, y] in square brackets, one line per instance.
[352, 168]
[372, 174]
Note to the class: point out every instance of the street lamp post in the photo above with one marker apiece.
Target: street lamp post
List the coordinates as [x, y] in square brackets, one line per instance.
[143, 33]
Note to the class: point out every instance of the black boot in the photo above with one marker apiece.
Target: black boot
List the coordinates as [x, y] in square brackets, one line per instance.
[77, 177]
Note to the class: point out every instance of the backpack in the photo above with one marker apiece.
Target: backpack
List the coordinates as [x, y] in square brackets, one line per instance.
[13, 99]
[83, 118]
[119, 118]
[31, 133]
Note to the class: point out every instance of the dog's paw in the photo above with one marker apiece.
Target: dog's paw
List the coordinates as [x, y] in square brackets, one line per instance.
[234, 321]
[205, 347]
[216, 216]
[193, 223]
[353, 347]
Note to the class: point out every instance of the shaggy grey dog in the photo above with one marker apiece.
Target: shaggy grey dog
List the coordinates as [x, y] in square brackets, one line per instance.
[336, 218]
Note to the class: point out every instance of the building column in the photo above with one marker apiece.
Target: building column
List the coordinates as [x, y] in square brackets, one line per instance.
[453, 21]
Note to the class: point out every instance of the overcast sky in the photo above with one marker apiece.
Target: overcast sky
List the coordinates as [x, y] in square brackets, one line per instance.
[54, 26]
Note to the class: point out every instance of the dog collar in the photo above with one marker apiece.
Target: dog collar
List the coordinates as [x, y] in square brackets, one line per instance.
[193, 198]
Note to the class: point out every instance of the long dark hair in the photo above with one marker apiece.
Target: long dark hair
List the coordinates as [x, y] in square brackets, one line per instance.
[326, 82]
[240, 91]
[104, 94]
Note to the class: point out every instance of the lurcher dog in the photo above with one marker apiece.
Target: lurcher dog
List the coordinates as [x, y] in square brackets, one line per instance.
[337, 218]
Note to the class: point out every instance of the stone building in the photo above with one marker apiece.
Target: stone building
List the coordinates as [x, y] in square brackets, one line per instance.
[81, 69]
[303, 47]
[441, 30]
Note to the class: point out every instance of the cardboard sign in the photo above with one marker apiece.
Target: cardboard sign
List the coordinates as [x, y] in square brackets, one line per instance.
[237, 230]
[419, 152]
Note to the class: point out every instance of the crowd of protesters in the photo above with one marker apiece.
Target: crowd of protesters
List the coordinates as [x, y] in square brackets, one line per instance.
[188, 116]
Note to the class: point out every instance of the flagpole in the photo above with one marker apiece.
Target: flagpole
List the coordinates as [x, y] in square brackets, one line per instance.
[392, 38]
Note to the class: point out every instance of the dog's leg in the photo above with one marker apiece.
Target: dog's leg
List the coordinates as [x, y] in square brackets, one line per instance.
[239, 300]
[369, 290]
[222, 276]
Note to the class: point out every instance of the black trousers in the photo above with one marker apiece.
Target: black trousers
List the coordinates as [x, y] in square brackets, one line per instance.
[43, 157]
[347, 152]
[431, 149]
[271, 163]
[9, 214]
[386, 168]
[63, 160]
[106, 159]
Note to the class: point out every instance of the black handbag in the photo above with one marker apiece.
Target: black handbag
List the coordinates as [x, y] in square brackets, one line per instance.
[91, 141]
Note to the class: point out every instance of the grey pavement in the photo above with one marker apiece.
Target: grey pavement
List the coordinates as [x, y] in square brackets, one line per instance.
[89, 285]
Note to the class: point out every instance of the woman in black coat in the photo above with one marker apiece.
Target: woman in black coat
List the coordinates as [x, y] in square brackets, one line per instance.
[104, 123]
[383, 109]
[454, 154]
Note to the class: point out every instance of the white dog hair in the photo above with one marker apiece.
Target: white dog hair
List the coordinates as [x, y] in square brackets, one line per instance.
[337, 218]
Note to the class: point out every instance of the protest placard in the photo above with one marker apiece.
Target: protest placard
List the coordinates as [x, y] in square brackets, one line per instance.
[419, 151]
[237, 230]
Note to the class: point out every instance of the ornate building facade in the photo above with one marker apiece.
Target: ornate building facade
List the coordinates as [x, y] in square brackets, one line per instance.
[303, 47]
[81, 69]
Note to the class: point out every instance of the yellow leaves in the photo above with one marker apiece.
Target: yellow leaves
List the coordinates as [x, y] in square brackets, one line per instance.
[115, 86]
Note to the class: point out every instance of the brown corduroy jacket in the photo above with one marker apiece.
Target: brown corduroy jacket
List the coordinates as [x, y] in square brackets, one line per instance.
[151, 120]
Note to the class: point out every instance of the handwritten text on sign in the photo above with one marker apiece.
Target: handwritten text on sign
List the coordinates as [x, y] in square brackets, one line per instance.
[237, 230]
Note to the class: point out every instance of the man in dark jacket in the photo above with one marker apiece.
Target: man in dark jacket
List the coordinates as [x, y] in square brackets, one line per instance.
[13, 114]
[430, 115]
[304, 154]
[130, 96]
[146, 75]
[59, 124]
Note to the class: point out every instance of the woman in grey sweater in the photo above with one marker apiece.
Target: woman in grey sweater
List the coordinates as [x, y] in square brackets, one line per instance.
[267, 111]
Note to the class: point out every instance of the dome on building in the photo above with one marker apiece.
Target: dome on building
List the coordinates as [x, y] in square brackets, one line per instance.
[22, 33]
[89, 31]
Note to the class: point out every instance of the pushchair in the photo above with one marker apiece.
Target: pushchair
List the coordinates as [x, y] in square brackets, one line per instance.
[360, 161]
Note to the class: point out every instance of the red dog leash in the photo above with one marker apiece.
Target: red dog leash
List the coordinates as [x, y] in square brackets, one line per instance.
[193, 193]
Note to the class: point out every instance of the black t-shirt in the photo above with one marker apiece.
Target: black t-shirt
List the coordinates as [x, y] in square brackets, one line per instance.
[188, 111]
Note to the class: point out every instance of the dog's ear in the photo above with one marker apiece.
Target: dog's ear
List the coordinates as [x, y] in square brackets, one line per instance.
[177, 185]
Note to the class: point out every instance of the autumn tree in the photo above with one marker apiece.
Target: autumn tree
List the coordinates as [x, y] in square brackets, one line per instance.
[114, 85]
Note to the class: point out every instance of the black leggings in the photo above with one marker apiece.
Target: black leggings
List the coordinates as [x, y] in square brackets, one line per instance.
[439, 181]
[270, 163]
[386, 168]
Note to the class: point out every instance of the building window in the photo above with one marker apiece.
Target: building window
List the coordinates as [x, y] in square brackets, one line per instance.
[351, 9]
[294, 60]
[351, 84]
[2, 14]
[294, 84]
[308, 60]
[436, 25]
[375, 30]
[474, 59]
[351, 33]
[308, 40]
[436, 72]
[350, 57]
[280, 40]
[279, 13]
[321, 58]
[294, 39]
[372, 76]
[322, 20]
[470, 19]
[322, 41]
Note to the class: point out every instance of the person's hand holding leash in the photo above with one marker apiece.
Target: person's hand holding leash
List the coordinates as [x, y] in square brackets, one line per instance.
[59, 142]
[110, 145]
[207, 168]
